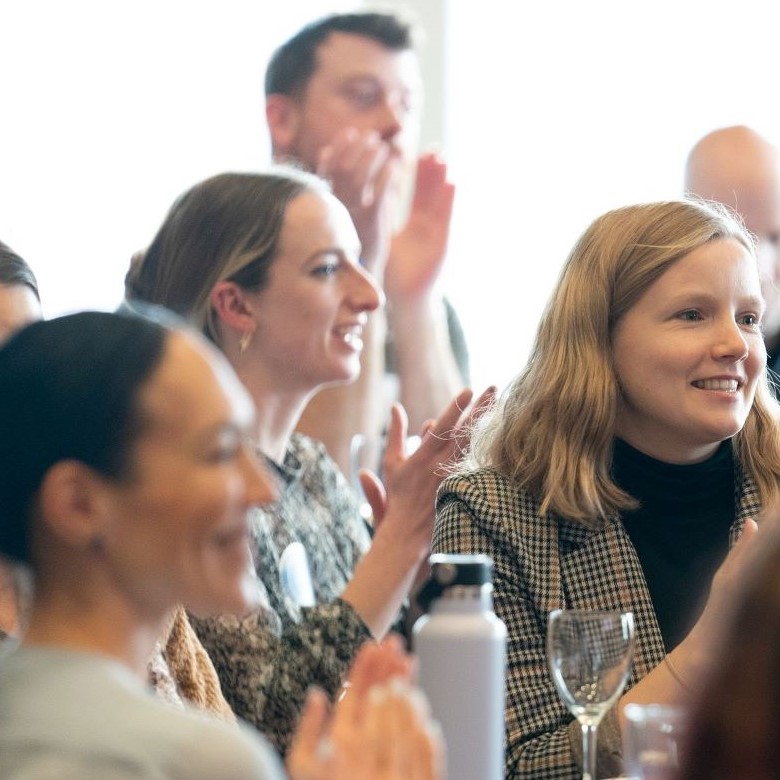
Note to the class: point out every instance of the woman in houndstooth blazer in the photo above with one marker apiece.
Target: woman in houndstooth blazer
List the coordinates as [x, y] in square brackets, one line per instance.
[622, 464]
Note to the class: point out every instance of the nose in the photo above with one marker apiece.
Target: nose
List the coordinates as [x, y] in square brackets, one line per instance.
[390, 123]
[259, 487]
[731, 343]
[364, 293]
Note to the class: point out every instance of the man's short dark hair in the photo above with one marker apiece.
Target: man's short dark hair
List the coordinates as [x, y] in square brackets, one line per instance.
[294, 62]
[15, 271]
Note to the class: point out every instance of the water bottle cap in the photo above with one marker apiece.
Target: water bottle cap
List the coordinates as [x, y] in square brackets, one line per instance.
[450, 570]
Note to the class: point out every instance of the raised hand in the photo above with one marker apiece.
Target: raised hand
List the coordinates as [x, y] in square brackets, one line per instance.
[417, 253]
[443, 442]
[362, 169]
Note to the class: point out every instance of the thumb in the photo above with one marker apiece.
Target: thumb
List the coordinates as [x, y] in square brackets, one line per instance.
[375, 493]
[304, 761]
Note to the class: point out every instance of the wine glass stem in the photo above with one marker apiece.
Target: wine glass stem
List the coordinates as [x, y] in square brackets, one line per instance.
[588, 752]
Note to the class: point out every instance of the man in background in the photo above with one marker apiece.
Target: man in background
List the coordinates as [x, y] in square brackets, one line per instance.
[736, 166]
[343, 100]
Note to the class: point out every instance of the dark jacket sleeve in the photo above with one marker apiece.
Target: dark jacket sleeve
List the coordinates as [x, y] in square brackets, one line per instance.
[266, 669]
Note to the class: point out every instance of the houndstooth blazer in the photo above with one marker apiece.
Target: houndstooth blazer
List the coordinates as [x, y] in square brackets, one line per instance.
[541, 564]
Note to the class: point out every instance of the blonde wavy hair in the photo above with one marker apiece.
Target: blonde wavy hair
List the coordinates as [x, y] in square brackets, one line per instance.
[552, 431]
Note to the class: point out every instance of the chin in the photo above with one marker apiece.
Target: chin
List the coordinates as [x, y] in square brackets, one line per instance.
[344, 375]
[238, 597]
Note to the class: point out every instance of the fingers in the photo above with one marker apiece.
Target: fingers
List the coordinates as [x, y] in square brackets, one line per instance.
[305, 756]
[723, 586]
[399, 736]
[385, 176]
[481, 405]
[396, 437]
[740, 550]
[375, 494]
[426, 426]
[377, 664]
[374, 665]
[448, 420]
[358, 165]
[432, 192]
[466, 427]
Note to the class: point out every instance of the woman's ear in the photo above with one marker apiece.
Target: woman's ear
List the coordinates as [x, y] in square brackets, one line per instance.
[231, 305]
[73, 504]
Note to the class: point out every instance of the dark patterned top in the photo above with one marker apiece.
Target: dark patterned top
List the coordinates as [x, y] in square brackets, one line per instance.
[267, 661]
[541, 564]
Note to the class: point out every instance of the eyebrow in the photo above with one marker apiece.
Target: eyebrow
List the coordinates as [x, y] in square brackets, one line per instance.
[694, 297]
[340, 253]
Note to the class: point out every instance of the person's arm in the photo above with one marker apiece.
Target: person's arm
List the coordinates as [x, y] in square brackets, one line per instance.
[363, 176]
[676, 678]
[404, 508]
[266, 669]
[427, 368]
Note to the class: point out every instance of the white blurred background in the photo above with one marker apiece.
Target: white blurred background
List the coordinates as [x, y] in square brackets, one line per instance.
[549, 114]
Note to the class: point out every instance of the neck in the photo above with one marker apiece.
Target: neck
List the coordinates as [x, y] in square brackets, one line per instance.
[278, 414]
[290, 158]
[278, 410]
[279, 397]
[101, 624]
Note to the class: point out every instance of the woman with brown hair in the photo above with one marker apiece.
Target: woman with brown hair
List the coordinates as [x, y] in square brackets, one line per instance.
[267, 266]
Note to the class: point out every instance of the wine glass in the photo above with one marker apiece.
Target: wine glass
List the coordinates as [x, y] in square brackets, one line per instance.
[589, 653]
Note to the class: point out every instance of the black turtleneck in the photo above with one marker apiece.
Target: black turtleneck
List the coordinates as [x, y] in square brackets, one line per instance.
[680, 530]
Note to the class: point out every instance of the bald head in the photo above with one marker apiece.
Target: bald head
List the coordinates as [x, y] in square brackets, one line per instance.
[738, 167]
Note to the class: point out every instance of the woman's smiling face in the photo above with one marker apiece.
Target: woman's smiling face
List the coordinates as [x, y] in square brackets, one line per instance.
[311, 314]
[178, 526]
[689, 354]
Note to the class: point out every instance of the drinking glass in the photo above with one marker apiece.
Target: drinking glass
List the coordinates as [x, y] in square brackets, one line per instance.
[589, 653]
[653, 737]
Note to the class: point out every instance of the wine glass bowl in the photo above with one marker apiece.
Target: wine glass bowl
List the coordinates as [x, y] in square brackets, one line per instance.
[589, 653]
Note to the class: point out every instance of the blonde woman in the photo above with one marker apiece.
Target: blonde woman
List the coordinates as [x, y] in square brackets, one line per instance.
[623, 462]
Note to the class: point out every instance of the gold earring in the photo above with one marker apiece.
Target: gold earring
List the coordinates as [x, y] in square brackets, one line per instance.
[246, 340]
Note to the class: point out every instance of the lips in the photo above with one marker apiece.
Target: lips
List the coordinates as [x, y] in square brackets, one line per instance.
[351, 335]
[724, 385]
[232, 536]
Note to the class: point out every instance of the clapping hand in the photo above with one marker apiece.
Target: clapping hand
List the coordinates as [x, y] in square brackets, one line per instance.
[413, 480]
[380, 730]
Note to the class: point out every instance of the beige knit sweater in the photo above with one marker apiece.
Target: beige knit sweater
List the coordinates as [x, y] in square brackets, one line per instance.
[180, 670]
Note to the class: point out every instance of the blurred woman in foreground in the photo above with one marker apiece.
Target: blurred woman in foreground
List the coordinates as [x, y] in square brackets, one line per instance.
[127, 494]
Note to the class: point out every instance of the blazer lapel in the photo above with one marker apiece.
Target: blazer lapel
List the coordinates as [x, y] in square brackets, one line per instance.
[600, 570]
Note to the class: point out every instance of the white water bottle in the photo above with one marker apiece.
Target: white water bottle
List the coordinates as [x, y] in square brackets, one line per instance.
[461, 646]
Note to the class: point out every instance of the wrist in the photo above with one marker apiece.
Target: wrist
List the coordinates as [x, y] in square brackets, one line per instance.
[399, 545]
